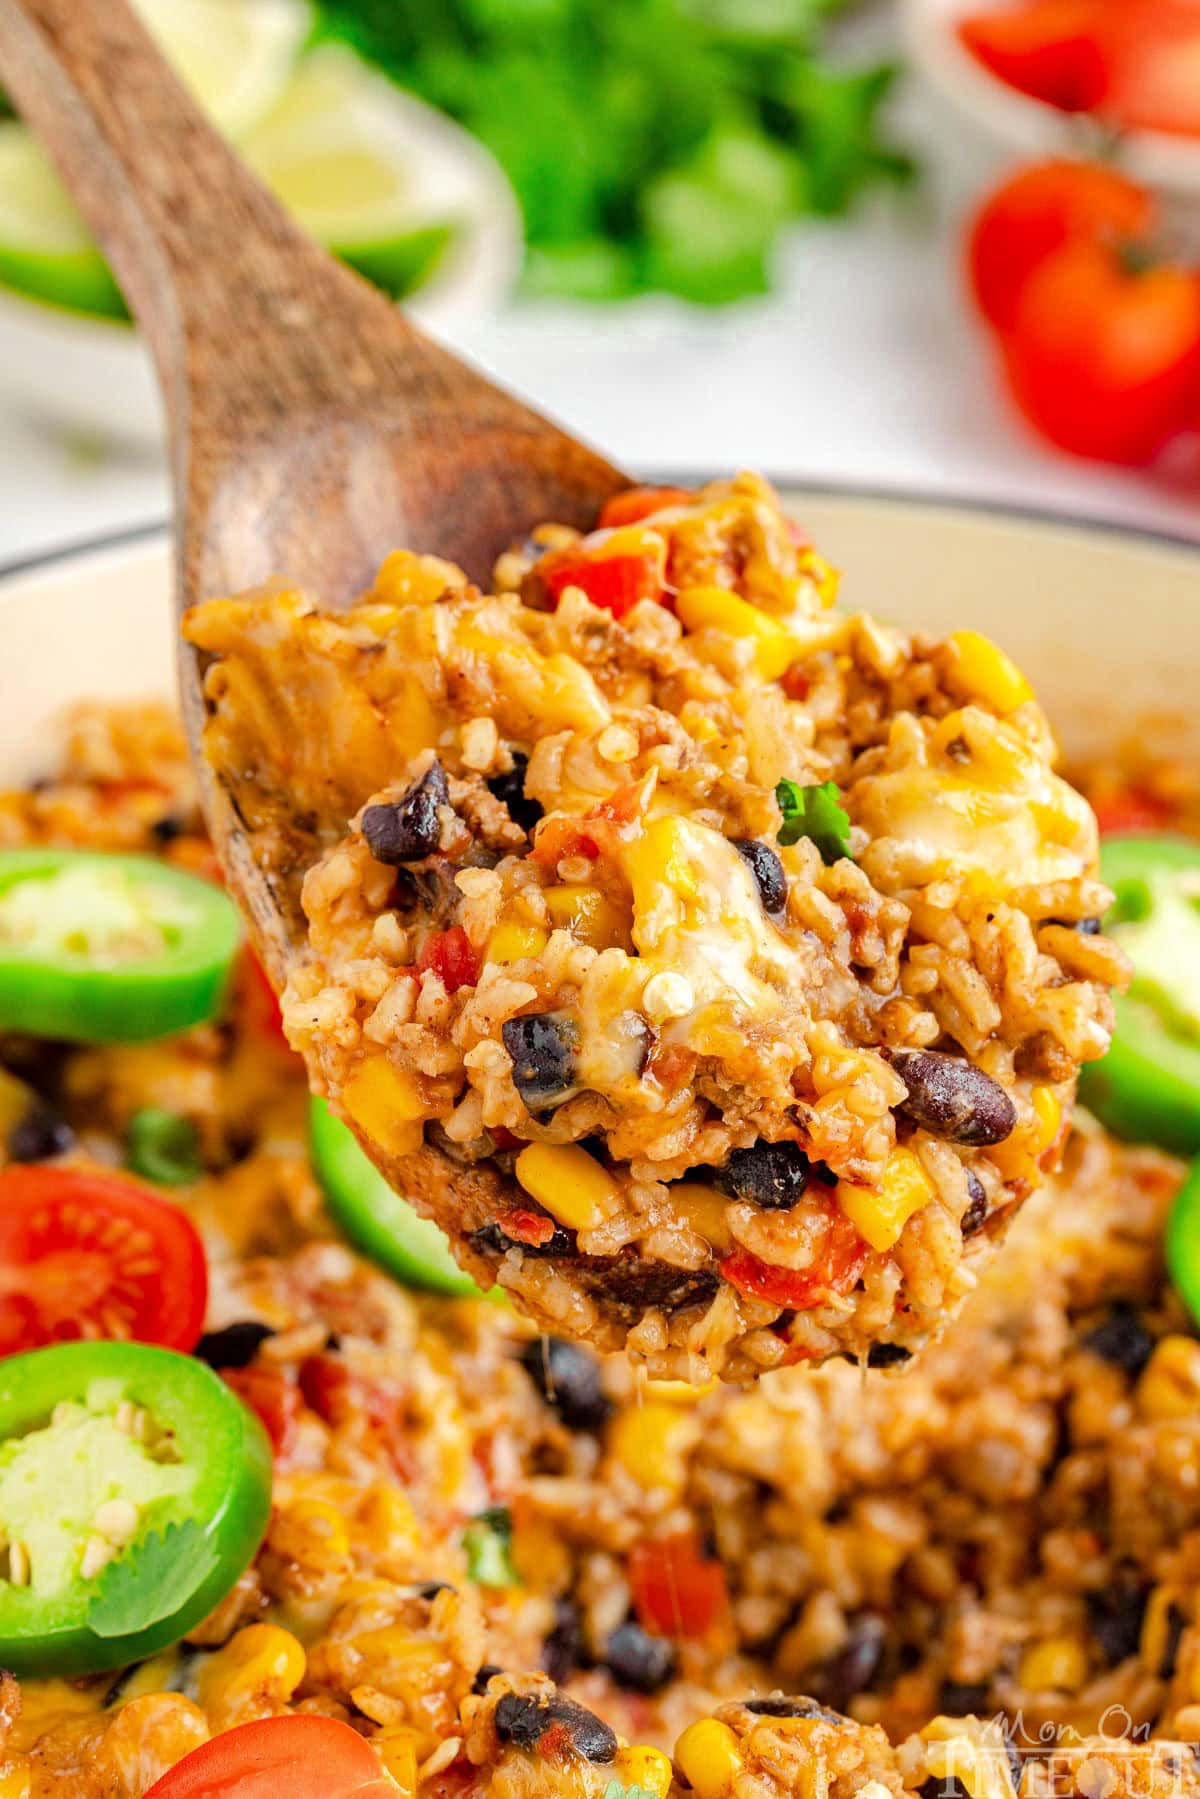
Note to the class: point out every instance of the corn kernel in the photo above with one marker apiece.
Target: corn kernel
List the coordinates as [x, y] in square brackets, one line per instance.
[1170, 1383]
[984, 670]
[713, 608]
[572, 1185]
[396, 1748]
[388, 1522]
[1059, 1664]
[705, 1209]
[590, 914]
[261, 1665]
[707, 1757]
[385, 1104]
[652, 1442]
[639, 1766]
[664, 854]
[880, 1214]
[1048, 1113]
[678, 1392]
[510, 942]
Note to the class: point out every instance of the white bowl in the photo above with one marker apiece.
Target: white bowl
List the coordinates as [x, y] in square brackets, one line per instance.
[1020, 124]
[93, 376]
[1105, 623]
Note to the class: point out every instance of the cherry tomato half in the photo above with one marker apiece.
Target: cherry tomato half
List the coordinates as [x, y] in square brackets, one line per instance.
[1052, 50]
[303, 1756]
[1104, 358]
[86, 1254]
[1035, 213]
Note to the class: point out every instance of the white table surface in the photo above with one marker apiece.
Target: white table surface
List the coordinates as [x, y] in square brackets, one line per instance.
[863, 369]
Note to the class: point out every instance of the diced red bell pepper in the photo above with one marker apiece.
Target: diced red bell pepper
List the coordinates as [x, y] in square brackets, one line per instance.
[677, 1590]
[273, 1397]
[615, 569]
[450, 955]
[836, 1271]
[634, 504]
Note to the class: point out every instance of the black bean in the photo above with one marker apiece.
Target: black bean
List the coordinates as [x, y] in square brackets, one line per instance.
[887, 1355]
[1176, 1625]
[1115, 1616]
[510, 790]
[492, 1238]
[770, 1175]
[167, 828]
[1087, 927]
[767, 870]
[408, 829]
[953, 1099]
[432, 1588]
[1123, 1340]
[40, 1135]
[637, 1660]
[854, 1668]
[483, 1674]
[977, 1205]
[562, 1651]
[568, 1378]
[542, 1047]
[961, 1698]
[524, 1719]
[234, 1347]
[777, 1706]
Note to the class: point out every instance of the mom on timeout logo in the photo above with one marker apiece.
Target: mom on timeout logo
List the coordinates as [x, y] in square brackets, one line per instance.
[1007, 1755]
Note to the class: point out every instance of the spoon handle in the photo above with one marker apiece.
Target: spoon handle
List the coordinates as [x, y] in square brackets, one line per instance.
[213, 268]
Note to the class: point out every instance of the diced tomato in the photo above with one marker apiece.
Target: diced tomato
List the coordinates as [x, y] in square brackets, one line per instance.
[301, 1755]
[339, 1395]
[677, 1590]
[503, 1138]
[843, 1260]
[272, 1396]
[259, 1001]
[95, 1255]
[523, 1226]
[450, 955]
[1130, 809]
[634, 504]
[1052, 50]
[557, 837]
[615, 569]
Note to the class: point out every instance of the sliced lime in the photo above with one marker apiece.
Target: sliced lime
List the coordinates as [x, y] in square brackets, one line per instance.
[45, 249]
[356, 166]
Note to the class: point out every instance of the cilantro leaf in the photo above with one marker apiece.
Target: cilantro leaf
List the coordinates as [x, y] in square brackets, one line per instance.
[152, 1580]
[815, 812]
[487, 1543]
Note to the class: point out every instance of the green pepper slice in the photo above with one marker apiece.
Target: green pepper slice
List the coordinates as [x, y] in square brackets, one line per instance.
[377, 1221]
[135, 1488]
[98, 948]
[1182, 1241]
[1147, 1088]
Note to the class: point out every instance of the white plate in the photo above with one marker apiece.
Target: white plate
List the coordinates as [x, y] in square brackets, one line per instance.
[1015, 121]
[1105, 623]
[94, 377]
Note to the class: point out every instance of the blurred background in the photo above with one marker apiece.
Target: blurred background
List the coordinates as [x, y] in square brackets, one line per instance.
[934, 246]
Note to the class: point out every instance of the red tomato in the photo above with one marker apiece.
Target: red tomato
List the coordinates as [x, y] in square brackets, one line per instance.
[95, 1255]
[1054, 50]
[1154, 82]
[450, 954]
[634, 504]
[615, 569]
[1102, 359]
[1035, 213]
[799, 1289]
[273, 1397]
[303, 1756]
[1130, 809]
[677, 1591]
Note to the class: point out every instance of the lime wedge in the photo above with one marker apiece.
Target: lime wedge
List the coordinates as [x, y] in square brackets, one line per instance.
[236, 57]
[358, 167]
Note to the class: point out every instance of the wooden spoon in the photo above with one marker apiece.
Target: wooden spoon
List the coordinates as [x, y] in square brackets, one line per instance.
[312, 428]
